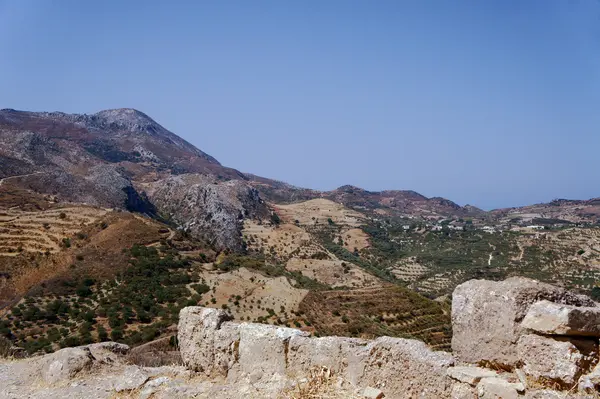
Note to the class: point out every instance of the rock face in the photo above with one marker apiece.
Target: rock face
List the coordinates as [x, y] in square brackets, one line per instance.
[267, 356]
[547, 317]
[208, 208]
[487, 315]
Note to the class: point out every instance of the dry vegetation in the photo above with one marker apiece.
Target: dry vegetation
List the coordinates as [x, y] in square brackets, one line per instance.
[318, 211]
[43, 231]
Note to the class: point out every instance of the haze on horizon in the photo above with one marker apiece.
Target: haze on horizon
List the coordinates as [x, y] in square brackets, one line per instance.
[494, 104]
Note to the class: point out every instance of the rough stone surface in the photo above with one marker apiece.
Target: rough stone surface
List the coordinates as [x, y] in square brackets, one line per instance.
[152, 386]
[373, 393]
[560, 361]
[590, 382]
[107, 352]
[498, 388]
[65, 364]
[547, 317]
[343, 356]
[406, 367]
[470, 375]
[198, 331]
[486, 316]
[463, 391]
[132, 378]
[263, 351]
[266, 356]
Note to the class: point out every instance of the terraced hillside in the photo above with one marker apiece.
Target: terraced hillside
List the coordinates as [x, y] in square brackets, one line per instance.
[373, 312]
[43, 231]
[40, 250]
[435, 261]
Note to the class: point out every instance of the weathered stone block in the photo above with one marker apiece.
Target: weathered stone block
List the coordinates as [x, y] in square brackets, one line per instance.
[557, 319]
[205, 343]
[263, 351]
[487, 315]
[408, 367]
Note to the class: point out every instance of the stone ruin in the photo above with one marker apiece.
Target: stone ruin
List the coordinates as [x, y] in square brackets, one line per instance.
[517, 338]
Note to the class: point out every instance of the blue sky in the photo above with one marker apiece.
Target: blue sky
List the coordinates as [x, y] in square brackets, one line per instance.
[494, 103]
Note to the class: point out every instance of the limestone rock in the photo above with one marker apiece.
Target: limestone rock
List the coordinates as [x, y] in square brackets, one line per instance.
[470, 375]
[373, 393]
[65, 364]
[557, 319]
[199, 332]
[132, 378]
[554, 360]
[152, 386]
[407, 367]
[263, 351]
[107, 352]
[338, 354]
[498, 388]
[590, 382]
[463, 391]
[486, 316]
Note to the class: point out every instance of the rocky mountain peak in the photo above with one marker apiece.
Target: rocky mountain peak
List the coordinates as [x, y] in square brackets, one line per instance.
[127, 117]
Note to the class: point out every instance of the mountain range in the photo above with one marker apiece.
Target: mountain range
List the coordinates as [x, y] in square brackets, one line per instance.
[122, 158]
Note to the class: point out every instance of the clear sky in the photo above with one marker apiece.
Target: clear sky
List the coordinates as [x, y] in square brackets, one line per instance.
[493, 103]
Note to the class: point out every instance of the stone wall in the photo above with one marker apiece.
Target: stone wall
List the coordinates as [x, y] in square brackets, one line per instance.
[274, 357]
[512, 339]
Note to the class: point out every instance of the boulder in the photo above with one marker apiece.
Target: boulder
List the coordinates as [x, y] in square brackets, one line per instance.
[557, 319]
[487, 315]
[64, 364]
[559, 361]
[132, 378]
[469, 375]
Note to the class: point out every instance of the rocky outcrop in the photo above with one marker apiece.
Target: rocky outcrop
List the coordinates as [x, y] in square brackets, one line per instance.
[487, 316]
[207, 207]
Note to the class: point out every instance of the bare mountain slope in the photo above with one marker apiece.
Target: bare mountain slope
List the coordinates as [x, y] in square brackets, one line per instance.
[105, 158]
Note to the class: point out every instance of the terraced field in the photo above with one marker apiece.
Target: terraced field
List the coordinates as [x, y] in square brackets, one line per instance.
[319, 211]
[43, 231]
[372, 312]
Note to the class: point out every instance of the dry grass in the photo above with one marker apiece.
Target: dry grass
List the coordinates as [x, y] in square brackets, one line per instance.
[321, 384]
